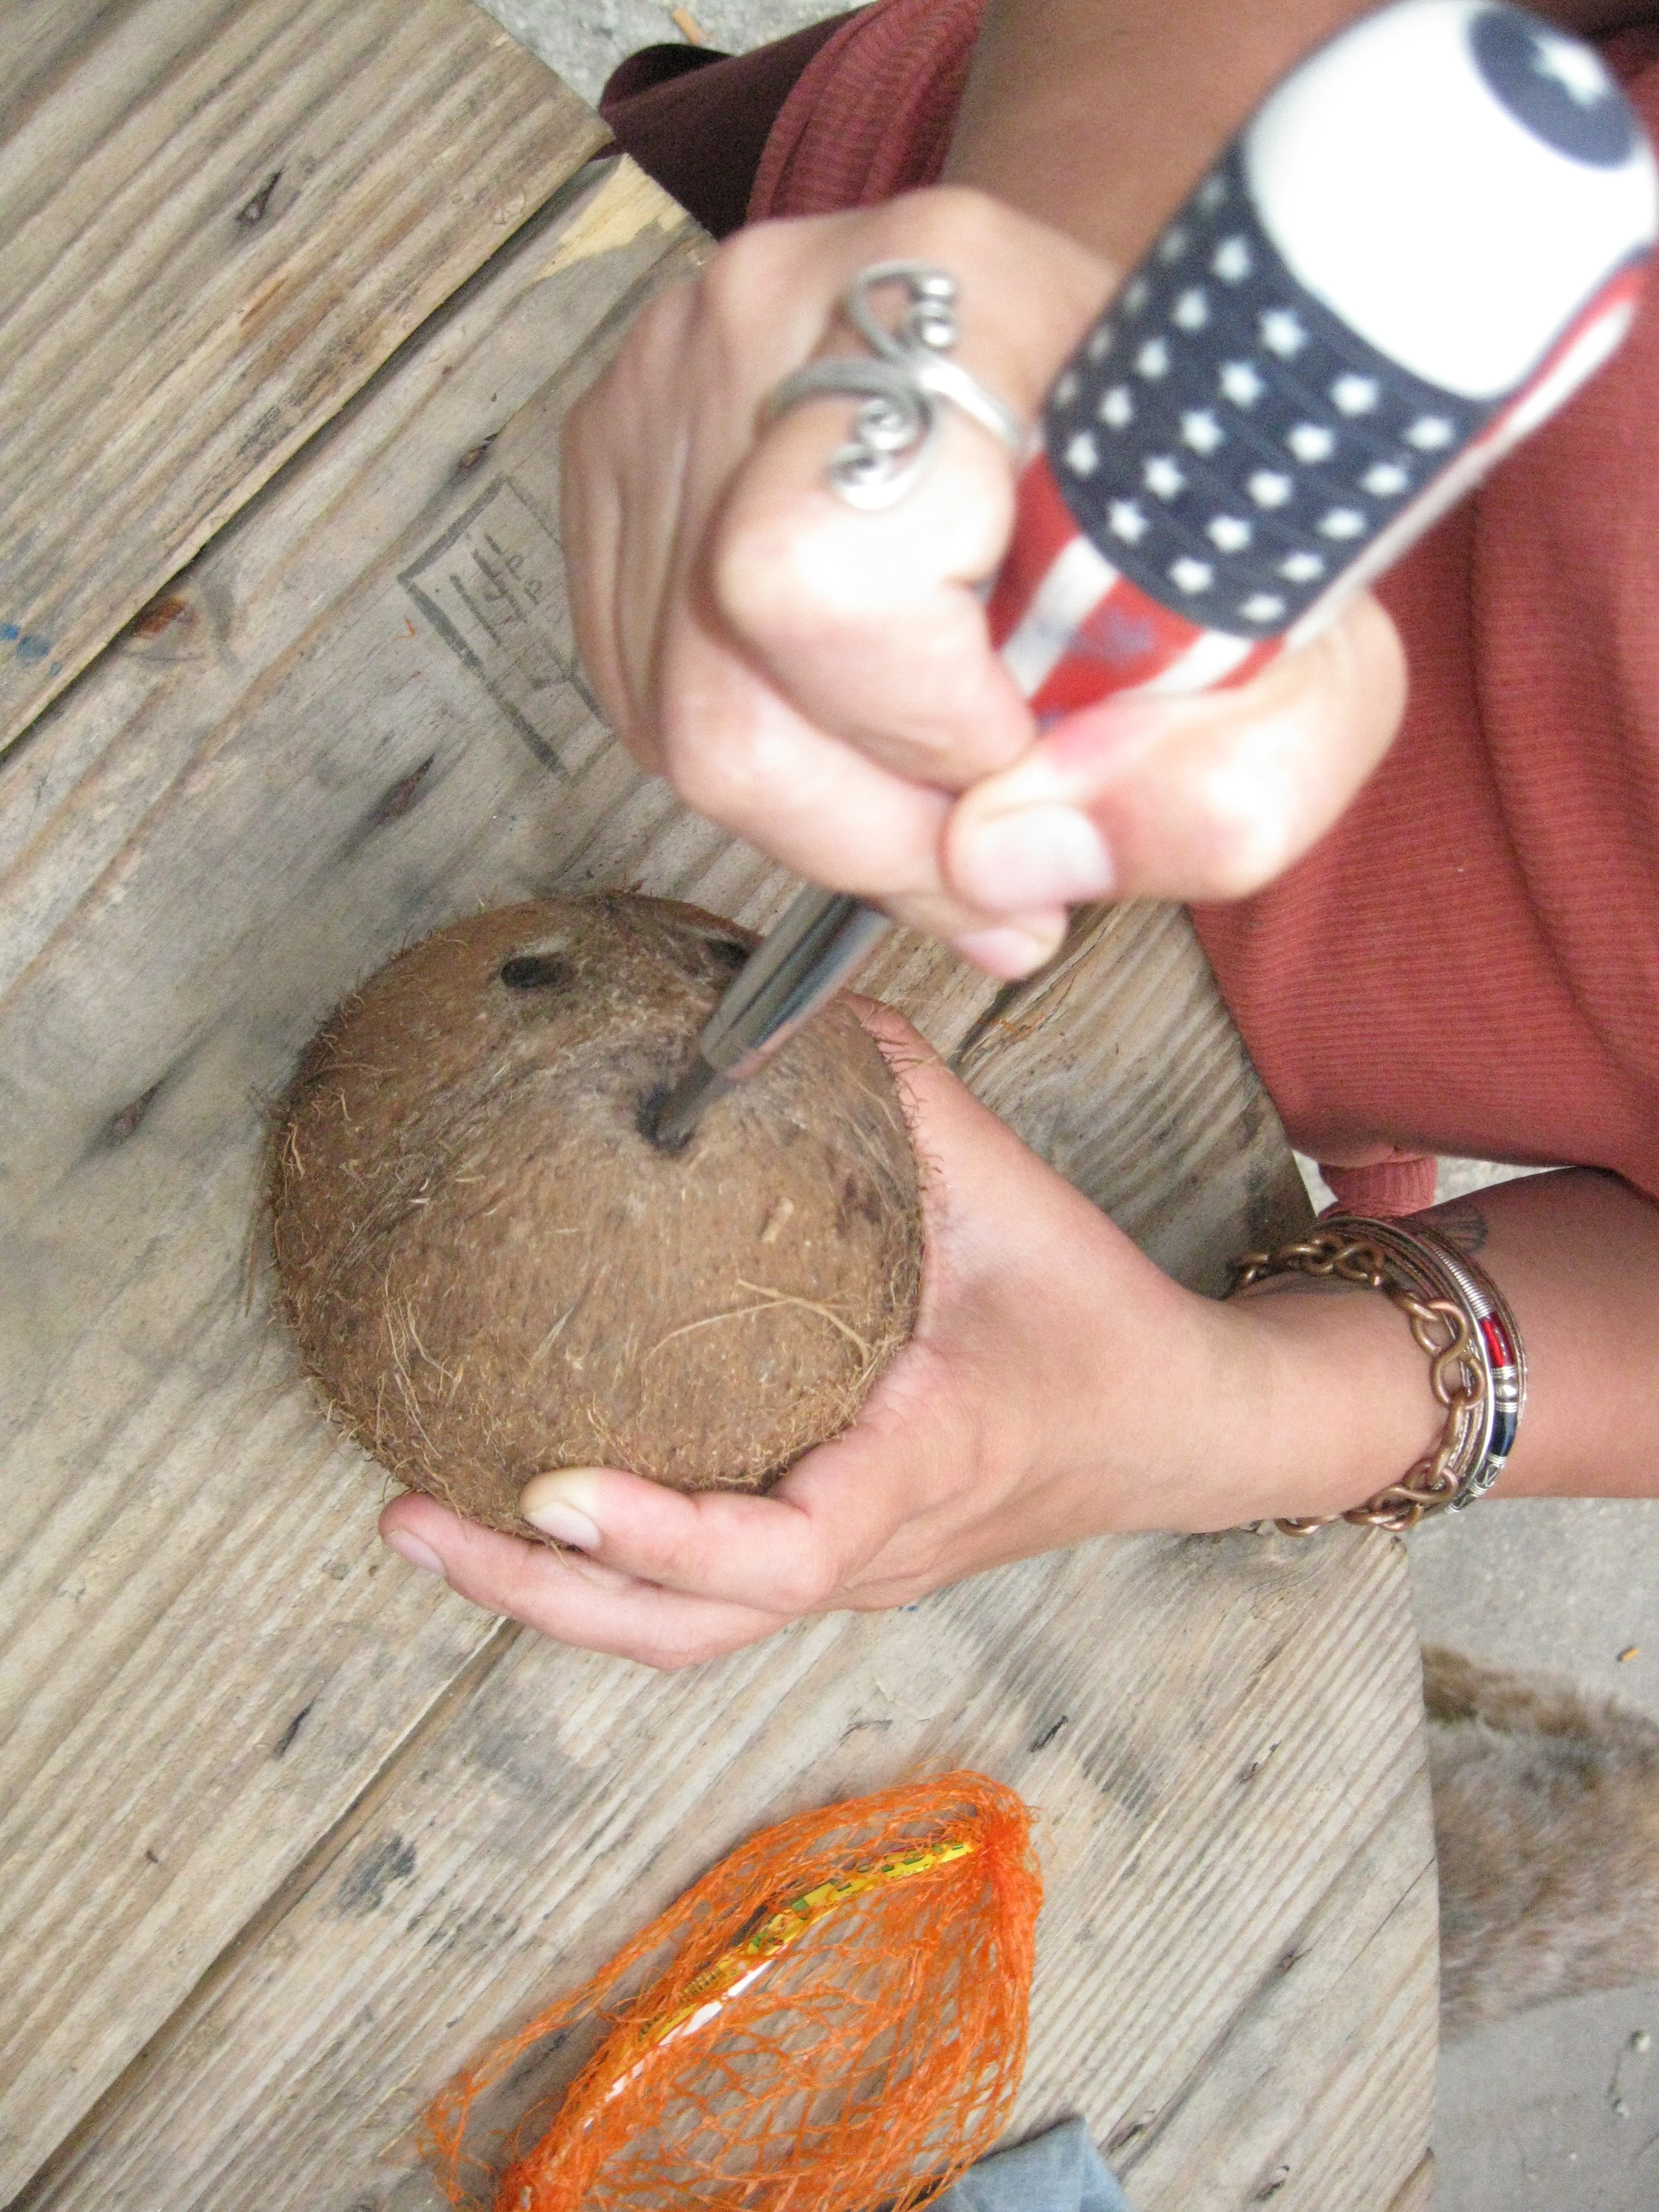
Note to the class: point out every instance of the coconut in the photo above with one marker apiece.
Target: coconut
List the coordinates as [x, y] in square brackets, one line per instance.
[491, 1269]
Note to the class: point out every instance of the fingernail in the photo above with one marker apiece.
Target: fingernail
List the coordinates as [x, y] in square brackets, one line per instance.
[415, 1553]
[1009, 953]
[550, 1502]
[1034, 856]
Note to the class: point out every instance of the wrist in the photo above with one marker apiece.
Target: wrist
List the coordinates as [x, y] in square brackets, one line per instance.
[1330, 1403]
[1292, 1400]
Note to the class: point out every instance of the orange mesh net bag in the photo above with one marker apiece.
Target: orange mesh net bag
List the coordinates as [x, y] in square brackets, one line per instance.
[833, 2018]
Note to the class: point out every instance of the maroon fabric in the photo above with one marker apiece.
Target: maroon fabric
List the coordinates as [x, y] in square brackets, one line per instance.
[653, 65]
[873, 114]
[1388, 1190]
[698, 121]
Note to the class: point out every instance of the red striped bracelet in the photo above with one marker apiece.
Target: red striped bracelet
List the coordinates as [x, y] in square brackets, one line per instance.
[1477, 1366]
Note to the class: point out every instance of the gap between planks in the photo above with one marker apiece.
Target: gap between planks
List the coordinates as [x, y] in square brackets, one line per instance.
[157, 1509]
[1264, 1983]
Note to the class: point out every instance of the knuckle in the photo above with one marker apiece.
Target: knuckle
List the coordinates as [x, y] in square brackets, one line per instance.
[747, 773]
[723, 284]
[778, 568]
[686, 1554]
[948, 219]
[756, 572]
[758, 270]
[1253, 828]
[664, 321]
[731, 271]
[711, 778]
[807, 1583]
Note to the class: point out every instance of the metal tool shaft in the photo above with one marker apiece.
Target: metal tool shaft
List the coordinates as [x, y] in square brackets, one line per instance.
[821, 938]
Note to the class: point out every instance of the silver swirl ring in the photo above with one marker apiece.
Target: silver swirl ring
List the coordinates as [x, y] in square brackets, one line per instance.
[899, 389]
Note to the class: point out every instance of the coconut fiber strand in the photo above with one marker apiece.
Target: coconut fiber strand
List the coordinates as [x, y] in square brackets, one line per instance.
[831, 2020]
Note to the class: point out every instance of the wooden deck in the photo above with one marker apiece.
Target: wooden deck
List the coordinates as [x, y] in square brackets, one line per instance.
[294, 297]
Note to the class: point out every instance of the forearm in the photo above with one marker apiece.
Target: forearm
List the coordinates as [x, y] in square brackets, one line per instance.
[1098, 116]
[1576, 1255]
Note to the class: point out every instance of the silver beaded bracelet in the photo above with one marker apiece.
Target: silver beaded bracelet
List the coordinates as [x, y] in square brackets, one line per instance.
[1477, 1366]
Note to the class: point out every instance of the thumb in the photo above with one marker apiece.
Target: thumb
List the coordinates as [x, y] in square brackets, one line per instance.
[1208, 797]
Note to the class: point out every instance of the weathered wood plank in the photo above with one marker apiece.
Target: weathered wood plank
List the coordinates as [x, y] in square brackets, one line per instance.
[1223, 1848]
[1349, 1994]
[219, 217]
[188, 1562]
[226, 824]
[1418, 2194]
[43, 46]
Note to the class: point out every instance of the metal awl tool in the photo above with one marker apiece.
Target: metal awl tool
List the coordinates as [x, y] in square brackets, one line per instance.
[818, 941]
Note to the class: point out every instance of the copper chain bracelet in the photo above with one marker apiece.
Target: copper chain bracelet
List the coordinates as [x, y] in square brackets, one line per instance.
[1459, 1372]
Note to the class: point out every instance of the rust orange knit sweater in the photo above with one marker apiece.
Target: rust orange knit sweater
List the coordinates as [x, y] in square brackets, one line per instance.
[1469, 962]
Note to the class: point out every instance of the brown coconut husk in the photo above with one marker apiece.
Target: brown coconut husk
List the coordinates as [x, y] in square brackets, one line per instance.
[492, 1271]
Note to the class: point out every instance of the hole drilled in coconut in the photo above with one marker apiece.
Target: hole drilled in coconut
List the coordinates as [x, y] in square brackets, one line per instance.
[646, 1119]
[728, 952]
[533, 972]
[492, 1271]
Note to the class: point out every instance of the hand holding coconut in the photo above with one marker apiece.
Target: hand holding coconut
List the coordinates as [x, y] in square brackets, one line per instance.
[1057, 1386]
[502, 1281]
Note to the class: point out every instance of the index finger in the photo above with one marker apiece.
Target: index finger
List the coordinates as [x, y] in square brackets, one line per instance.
[742, 755]
[567, 1599]
[869, 622]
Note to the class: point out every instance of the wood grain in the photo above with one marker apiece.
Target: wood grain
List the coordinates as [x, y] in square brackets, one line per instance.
[219, 217]
[1120, 1065]
[287, 1830]
[1218, 1992]
[203, 1663]
[1418, 2193]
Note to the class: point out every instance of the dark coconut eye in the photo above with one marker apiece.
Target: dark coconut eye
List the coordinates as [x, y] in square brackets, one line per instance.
[533, 972]
[727, 953]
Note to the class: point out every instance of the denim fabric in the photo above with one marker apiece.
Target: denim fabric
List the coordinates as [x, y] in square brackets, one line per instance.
[1058, 2172]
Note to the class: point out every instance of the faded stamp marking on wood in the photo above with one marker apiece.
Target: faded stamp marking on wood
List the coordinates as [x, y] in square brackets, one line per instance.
[493, 588]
